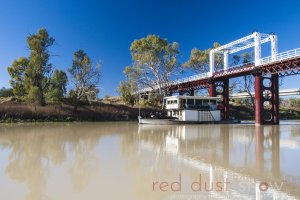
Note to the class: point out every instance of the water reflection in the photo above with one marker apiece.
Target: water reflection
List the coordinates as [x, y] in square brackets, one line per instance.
[122, 160]
[243, 153]
[35, 150]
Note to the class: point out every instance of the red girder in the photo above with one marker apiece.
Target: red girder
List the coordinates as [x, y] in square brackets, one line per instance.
[282, 68]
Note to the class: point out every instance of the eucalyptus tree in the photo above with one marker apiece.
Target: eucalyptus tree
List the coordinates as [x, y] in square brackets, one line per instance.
[247, 83]
[127, 90]
[17, 73]
[57, 87]
[31, 76]
[85, 77]
[39, 70]
[199, 60]
[154, 62]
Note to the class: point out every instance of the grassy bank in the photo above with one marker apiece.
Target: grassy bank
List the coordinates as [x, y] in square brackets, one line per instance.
[12, 111]
[245, 113]
[24, 112]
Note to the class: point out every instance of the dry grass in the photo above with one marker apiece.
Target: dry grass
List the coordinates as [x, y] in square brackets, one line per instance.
[13, 111]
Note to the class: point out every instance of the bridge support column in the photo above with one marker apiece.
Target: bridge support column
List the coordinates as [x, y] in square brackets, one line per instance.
[266, 99]
[212, 89]
[221, 88]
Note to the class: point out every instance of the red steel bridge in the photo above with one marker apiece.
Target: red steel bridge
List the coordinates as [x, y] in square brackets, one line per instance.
[266, 72]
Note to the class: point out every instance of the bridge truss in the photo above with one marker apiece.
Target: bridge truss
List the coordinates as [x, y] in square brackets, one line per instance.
[268, 68]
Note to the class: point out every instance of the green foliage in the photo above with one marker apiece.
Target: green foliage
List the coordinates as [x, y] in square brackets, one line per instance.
[85, 77]
[39, 70]
[246, 58]
[17, 73]
[126, 90]
[153, 100]
[57, 87]
[199, 60]
[30, 77]
[294, 102]
[155, 60]
[6, 92]
[247, 82]
[34, 95]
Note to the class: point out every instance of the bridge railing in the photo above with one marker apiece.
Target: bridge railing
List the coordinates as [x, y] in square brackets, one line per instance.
[233, 67]
[281, 56]
[191, 78]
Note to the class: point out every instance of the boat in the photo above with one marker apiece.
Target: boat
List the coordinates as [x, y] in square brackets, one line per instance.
[187, 110]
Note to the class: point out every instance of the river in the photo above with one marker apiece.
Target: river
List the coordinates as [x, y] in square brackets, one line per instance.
[127, 161]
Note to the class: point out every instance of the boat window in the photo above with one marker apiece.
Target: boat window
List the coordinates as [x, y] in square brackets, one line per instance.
[175, 101]
[184, 101]
[198, 102]
[190, 101]
[213, 102]
[205, 102]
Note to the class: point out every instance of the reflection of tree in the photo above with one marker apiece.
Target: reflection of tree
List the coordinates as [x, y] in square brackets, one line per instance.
[152, 162]
[28, 161]
[36, 148]
[295, 131]
[82, 165]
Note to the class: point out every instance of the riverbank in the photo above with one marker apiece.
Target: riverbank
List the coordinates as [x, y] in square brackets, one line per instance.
[245, 113]
[24, 112]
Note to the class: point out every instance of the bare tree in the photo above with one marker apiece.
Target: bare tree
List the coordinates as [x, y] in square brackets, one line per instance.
[85, 77]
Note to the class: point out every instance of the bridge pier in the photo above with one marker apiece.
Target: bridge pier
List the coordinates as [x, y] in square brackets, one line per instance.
[267, 138]
[221, 88]
[259, 149]
[212, 89]
[266, 99]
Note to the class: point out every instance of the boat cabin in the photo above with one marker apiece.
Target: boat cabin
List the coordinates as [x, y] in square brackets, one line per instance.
[193, 108]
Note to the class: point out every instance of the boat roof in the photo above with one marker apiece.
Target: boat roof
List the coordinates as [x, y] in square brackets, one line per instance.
[192, 97]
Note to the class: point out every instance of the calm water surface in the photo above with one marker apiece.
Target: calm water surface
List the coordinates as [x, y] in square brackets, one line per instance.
[127, 161]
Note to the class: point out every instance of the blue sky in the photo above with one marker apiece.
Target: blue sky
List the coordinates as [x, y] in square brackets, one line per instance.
[105, 29]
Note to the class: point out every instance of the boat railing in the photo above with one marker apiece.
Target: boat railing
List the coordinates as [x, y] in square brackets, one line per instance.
[199, 107]
[212, 116]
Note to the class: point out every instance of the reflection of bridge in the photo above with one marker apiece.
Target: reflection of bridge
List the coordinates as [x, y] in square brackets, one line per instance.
[193, 147]
[266, 71]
